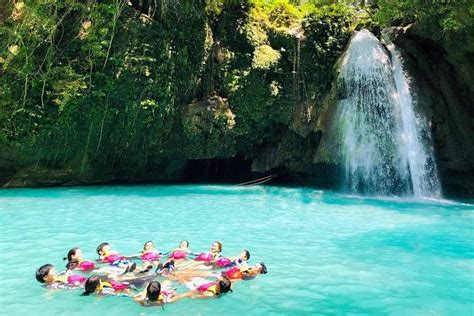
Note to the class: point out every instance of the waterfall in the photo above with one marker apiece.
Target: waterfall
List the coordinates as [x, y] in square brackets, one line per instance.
[384, 151]
[416, 139]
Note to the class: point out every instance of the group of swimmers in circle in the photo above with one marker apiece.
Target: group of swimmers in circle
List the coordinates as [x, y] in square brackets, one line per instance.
[205, 275]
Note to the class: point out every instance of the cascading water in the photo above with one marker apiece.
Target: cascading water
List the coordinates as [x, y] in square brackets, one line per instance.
[416, 139]
[383, 150]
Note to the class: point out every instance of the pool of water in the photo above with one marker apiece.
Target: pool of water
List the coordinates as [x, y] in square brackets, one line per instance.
[326, 253]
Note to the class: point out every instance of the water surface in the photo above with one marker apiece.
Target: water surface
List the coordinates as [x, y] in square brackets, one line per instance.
[326, 253]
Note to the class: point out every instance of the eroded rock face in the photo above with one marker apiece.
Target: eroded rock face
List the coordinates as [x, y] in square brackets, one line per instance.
[207, 126]
[445, 97]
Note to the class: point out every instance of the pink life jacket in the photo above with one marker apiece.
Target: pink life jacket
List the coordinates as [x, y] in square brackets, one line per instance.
[112, 258]
[204, 287]
[150, 256]
[204, 257]
[178, 254]
[223, 262]
[117, 286]
[76, 279]
[86, 265]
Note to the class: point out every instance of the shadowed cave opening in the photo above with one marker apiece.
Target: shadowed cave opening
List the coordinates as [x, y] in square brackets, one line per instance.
[234, 170]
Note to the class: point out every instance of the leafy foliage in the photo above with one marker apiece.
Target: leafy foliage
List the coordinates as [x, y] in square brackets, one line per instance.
[106, 89]
[439, 20]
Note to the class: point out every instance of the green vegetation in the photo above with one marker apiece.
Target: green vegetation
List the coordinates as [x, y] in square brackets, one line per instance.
[110, 89]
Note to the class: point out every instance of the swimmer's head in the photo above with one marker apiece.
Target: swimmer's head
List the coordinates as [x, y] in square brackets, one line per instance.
[216, 247]
[245, 255]
[103, 248]
[184, 244]
[44, 272]
[148, 245]
[224, 284]
[74, 253]
[261, 267]
[153, 290]
[91, 285]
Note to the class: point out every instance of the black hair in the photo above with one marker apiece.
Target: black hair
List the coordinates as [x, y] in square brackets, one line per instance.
[43, 271]
[224, 285]
[144, 245]
[220, 245]
[70, 262]
[187, 242]
[247, 254]
[102, 245]
[169, 265]
[91, 284]
[153, 290]
[264, 268]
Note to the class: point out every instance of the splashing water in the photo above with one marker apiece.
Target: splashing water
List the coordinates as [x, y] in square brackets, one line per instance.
[381, 139]
[417, 145]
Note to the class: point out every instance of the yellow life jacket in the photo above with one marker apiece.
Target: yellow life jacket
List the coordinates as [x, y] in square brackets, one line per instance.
[158, 301]
[102, 285]
[60, 278]
[105, 255]
[212, 289]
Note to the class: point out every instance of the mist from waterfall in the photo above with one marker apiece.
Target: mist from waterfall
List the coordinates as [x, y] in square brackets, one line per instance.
[386, 149]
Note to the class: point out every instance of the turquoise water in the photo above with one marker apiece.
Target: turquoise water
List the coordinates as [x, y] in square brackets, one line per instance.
[326, 253]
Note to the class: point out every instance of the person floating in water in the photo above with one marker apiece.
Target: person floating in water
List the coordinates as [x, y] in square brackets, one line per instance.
[237, 274]
[112, 257]
[205, 259]
[188, 272]
[181, 252]
[75, 261]
[150, 256]
[209, 290]
[223, 262]
[155, 295]
[98, 286]
[48, 275]
[242, 260]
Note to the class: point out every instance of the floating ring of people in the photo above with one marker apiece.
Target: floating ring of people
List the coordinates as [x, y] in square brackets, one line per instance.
[205, 275]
